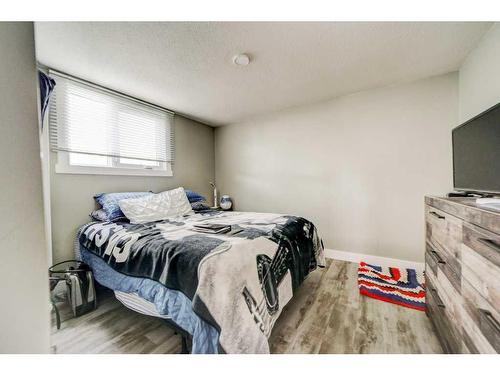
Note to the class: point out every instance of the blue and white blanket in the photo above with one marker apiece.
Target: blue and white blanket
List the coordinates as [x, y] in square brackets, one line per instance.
[167, 302]
[237, 284]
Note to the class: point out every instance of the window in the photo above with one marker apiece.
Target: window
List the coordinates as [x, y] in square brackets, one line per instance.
[98, 131]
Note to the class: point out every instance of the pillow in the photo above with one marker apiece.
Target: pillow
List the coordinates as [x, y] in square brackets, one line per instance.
[194, 197]
[101, 215]
[156, 207]
[109, 202]
[200, 206]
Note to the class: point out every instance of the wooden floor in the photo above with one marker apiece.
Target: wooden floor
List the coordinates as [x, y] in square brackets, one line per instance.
[327, 315]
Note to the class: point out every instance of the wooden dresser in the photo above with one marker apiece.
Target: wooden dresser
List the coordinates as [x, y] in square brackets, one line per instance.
[462, 272]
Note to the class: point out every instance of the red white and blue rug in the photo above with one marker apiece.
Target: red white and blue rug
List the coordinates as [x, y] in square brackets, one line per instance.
[404, 287]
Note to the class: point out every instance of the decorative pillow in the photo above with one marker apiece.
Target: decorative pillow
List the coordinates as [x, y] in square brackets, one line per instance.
[101, 215]
[200, 206]
[109, 202]
[194, 197]
[156, 207]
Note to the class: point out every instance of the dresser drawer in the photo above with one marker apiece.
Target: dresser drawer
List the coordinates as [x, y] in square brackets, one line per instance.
[448, 335]
[444, 233]
[436, 260]
[480, 322]
[481, 261]
[466, 209]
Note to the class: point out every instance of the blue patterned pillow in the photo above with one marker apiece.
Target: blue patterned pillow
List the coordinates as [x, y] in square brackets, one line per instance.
[194, 197]
[109, 202]
[101, 215]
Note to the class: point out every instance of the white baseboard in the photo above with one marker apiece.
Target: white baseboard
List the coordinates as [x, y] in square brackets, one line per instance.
[373, 259]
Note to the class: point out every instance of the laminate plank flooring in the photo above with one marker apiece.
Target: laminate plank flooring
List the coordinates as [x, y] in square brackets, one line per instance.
[327, 315]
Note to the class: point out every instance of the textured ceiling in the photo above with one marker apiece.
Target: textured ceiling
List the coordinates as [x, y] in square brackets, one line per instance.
[187, 66]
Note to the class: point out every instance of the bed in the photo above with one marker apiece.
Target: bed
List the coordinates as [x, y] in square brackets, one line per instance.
[225, 290]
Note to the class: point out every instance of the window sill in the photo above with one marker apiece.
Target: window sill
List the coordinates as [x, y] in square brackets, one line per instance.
[74, 169]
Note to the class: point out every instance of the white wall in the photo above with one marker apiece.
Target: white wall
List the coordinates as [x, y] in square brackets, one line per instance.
[24, 312]
[72, 195]
[357, 166]
[479, 77]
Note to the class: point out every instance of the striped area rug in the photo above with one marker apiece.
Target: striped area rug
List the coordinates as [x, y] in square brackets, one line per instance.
[404, 287]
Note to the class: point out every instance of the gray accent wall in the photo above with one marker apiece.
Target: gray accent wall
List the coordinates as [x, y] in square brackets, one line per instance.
[358, 166]
[24, 311]
[72, 194]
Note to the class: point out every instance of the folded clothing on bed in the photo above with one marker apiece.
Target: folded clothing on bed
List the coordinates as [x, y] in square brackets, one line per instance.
[239, 284]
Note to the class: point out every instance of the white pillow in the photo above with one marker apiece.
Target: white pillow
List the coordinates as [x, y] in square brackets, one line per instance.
[156, 207]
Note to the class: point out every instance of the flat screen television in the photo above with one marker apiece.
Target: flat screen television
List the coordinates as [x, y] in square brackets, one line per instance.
[476, 153]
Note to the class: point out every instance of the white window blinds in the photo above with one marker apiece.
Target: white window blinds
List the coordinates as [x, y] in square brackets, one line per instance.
[87, 119]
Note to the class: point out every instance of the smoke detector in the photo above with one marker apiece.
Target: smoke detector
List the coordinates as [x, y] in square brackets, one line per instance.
[241, 59]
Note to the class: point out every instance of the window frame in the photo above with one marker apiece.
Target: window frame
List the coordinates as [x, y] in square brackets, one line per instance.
[118, 169]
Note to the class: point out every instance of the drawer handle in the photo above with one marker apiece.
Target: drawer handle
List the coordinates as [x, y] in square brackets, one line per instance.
[491, 319]
[437, 257]
[438, 299]
[490, 243]
[434, 213]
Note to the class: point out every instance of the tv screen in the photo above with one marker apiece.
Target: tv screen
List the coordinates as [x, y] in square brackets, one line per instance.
[476, 153]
